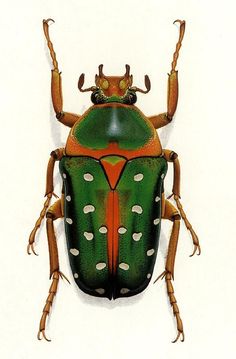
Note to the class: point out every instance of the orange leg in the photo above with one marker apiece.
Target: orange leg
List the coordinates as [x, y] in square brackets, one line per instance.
[164, 119]
[66, 118]
[172, 214]
[54, 212]
[171, 156]
[55, 156]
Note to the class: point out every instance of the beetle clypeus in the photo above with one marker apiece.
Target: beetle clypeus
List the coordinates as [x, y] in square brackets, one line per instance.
[112, 200]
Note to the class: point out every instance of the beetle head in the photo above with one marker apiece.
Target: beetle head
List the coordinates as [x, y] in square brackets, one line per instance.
[113, 88]
[113, 85]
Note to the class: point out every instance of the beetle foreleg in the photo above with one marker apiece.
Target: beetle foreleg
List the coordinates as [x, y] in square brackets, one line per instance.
[172, 214]
[66, 118]
[165, 118]
[55, 156]
[54, 212]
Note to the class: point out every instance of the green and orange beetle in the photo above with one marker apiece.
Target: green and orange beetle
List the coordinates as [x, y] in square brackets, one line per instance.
[113, 168]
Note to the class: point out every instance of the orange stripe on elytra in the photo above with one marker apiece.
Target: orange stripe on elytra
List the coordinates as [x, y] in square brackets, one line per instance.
[113, 221]
[116, 223]
[109, 216]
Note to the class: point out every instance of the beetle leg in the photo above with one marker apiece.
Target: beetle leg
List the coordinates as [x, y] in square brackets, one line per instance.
[171, 156]
[66, 118]
[172, 214]
[189, 227]
[164, 119]
[54, 212]
[55, 156]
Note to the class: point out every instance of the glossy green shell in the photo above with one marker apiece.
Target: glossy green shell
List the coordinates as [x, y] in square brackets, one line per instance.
[139, 191]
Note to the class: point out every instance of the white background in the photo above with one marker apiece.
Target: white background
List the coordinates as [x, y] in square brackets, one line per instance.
[140, 33]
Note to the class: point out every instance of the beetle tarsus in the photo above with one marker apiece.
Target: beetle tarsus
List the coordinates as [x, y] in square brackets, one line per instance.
[180, 21]
[43, 336]
[178, 45]
[180, 333]
[189, 227]
[48, 20]
[50, 45]
[30, 248]
[52, 292]
[196, 247]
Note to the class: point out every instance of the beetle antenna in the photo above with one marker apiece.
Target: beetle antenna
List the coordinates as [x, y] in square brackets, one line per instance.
[147, 84]
[50, 45]
[81, 83]
[178, 45]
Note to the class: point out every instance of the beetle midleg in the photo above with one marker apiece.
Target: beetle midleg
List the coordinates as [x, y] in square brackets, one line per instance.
[171, 156]
[53, 213]
[54, 156]
[172, 214]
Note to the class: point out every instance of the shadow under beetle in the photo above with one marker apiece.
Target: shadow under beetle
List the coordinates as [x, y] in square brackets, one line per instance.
[112, 201]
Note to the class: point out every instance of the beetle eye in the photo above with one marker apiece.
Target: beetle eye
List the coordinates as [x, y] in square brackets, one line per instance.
[105, 85]
[122, 84]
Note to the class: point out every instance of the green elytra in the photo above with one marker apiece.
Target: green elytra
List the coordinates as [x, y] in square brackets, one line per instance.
[141, 183]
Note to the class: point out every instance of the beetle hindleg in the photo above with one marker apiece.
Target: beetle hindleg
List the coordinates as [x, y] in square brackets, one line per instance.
[54, 212]
[55, 156]
[172, 214]
[171, 156]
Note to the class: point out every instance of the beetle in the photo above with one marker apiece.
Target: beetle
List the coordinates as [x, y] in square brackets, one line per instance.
[113, 200]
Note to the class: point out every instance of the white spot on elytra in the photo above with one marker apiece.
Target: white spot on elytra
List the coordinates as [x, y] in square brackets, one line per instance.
[100, 290]
[76, 275]
[150, 252]
[88, 235]
[64, 175]
[137, 209]
[124, 290]
[149, 275]
[100, 266]
[74, 251]
[156, 221]
[89, 208]
[88, 177]
[137, 236]
[163, 175]
[122, 230]
[124, 266]
[69, 220]
[68, 198]
[157, 199]
[138, 177]
[103, 230]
